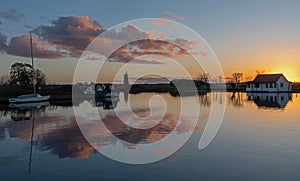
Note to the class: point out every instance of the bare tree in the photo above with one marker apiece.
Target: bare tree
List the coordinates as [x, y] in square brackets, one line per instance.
[259, 72]
[237, 77]
[204, 77]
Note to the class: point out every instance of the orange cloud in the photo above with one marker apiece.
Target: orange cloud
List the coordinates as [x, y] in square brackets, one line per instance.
[70, 33]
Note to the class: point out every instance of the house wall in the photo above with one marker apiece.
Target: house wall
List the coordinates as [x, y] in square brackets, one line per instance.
[287, 87]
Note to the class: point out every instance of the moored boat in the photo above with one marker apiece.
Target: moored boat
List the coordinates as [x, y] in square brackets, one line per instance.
[29, 105]
[29, 98]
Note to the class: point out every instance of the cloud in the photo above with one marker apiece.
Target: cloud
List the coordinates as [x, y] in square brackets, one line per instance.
[185, 43]
[169, 16]
[3, 41]
[20, 46]
[181, 18]
[28, 26]
[128, 32]
[159, 21]
[11, 14]
[153, 49]
[70, 33]
[152, 44]
[69, 37]
[129, 59]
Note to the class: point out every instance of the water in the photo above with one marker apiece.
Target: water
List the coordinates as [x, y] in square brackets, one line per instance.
[259, 140]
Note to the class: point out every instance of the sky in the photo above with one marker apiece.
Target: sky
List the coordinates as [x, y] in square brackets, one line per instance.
[244, 35]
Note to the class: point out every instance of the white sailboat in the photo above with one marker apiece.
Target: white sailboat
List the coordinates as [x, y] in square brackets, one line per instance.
[29, 105]
[30, 97]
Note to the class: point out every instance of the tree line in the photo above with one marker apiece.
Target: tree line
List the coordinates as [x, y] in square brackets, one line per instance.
[23, 74]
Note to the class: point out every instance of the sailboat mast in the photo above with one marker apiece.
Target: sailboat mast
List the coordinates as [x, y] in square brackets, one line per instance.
[32, 64]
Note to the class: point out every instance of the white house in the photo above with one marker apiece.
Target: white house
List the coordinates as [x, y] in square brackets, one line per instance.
[269, 83]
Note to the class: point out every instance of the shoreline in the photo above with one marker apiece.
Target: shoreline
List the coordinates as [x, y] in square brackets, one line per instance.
[68, 97]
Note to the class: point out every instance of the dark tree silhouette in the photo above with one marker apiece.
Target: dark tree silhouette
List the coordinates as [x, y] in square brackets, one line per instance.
[203, 77]
[22, 74]
[237, 77]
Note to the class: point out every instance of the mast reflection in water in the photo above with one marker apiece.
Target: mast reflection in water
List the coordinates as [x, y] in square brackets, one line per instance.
[47, 141]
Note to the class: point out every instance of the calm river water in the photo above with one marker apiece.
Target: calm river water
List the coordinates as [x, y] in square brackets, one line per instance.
[259, 139]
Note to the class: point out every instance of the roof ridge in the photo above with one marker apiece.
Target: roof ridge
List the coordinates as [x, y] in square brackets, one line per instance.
[268, 77]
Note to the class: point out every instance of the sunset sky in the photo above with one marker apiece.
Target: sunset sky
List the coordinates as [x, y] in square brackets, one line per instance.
[245, 35]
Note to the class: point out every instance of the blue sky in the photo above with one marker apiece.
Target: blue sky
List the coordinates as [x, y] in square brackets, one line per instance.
[245, 35]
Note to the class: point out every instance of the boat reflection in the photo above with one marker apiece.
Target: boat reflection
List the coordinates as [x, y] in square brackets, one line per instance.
[22, 112]
[28, 111]
[30, 105]
[270, 100]
[49, 130]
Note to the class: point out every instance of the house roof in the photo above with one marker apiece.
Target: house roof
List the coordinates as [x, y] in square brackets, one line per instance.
[268, 78]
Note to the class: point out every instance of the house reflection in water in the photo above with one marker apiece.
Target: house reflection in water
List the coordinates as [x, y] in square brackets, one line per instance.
[270, 100]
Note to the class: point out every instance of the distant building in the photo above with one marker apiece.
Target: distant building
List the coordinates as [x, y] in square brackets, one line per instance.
[106, 90]
[90, 90]
[269, 83]
[125, 81]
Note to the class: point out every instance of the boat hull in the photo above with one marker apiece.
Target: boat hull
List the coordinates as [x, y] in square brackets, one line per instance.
[33, 99]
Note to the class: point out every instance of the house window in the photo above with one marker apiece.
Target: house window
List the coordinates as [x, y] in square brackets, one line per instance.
[267, 85]
[256, 85]
[282, 98]
[271, 85]
[281, 84]
[275, 85]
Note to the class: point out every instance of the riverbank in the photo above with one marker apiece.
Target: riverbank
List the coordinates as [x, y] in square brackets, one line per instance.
[64, 92]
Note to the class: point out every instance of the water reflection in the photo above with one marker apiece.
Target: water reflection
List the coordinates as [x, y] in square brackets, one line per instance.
[237, 99]
[107, 103]
[134, 135]
[53, 127]
[270, 100]
[46, 128]
[30, 105]
[49, 127]
[27, 112]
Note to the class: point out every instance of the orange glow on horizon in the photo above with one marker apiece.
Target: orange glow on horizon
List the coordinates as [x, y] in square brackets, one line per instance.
[288, 71]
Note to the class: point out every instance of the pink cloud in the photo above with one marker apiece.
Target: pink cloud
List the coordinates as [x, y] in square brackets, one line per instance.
[20, 46]
[159, 21]
[181, 18]
[69, 37]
